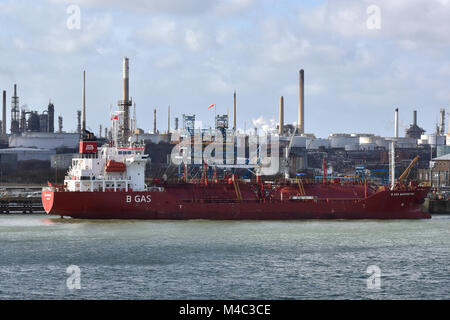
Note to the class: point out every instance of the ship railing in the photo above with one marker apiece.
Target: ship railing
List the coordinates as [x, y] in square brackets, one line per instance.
[155, 189]
[268, 200]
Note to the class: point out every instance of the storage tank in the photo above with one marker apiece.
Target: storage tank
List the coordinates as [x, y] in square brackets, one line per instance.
[367, 139]
[299, 142]
[352, 147]
[433, 139]
[381, 142]
[314, 144]
[368, 146]
[340, 141]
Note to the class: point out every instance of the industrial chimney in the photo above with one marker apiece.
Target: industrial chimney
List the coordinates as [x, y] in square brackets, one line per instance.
[168, 119]
[125, 103]
[51, 117]
[79, 122]
[442, 126]
[176, 123]
[281, 124]
[83, 107]
[60, 124]
[415, 118]
[234, 111]
[133, 127]
[396, 123]
[15, 112]
[301, 103]
[4, 113]
[154, 121]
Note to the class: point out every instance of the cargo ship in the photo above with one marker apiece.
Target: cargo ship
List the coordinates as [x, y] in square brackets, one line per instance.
[108, 182]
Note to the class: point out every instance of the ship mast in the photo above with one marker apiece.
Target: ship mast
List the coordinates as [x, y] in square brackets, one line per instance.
[392, 164]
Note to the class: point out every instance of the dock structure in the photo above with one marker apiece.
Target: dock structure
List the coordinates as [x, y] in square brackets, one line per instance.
[21, 205]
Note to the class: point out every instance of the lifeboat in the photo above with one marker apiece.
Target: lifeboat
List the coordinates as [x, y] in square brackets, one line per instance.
[115, 166]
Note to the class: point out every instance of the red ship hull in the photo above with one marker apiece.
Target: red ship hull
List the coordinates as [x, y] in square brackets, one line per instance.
[185, 202]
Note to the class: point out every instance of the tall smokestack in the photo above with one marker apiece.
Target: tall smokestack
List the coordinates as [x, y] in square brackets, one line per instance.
[4, 113]
[126, 102]
[15, 113]
[281, 124]
[176, 123]
[396, 123]
[134, 119]
[79, 122]
[83, 106]
[301, 103]
[442, 126]
[168, 119]
[234, 111]
[415, 117]
[154, 121]
[60, 124]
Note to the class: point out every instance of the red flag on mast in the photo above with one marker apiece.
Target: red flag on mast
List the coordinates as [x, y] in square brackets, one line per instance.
[211, 105]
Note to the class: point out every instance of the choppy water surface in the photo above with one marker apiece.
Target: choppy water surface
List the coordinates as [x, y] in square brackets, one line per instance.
[223, 260]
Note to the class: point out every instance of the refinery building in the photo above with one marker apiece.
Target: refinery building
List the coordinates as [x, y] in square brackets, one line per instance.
[33, 136]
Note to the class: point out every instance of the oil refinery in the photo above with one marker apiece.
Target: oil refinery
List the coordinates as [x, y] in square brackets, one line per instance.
[349, 156]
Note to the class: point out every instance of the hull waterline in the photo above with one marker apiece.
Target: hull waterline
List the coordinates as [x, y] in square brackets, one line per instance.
[162, 205]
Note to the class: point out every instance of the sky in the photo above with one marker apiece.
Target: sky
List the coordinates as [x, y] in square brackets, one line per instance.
[362, 59]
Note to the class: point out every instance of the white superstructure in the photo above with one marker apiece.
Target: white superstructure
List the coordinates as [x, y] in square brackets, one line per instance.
[111, 169]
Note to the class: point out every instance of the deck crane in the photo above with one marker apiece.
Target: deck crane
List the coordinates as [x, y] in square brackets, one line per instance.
[407, 171]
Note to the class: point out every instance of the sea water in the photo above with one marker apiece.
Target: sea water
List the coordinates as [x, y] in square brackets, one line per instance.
[44, 257]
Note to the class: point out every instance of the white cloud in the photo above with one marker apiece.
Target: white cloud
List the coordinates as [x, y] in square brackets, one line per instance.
[193, 40]
[232, 7]
[402, 20]
[177, 7]
[159, 31]
[263, 124]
